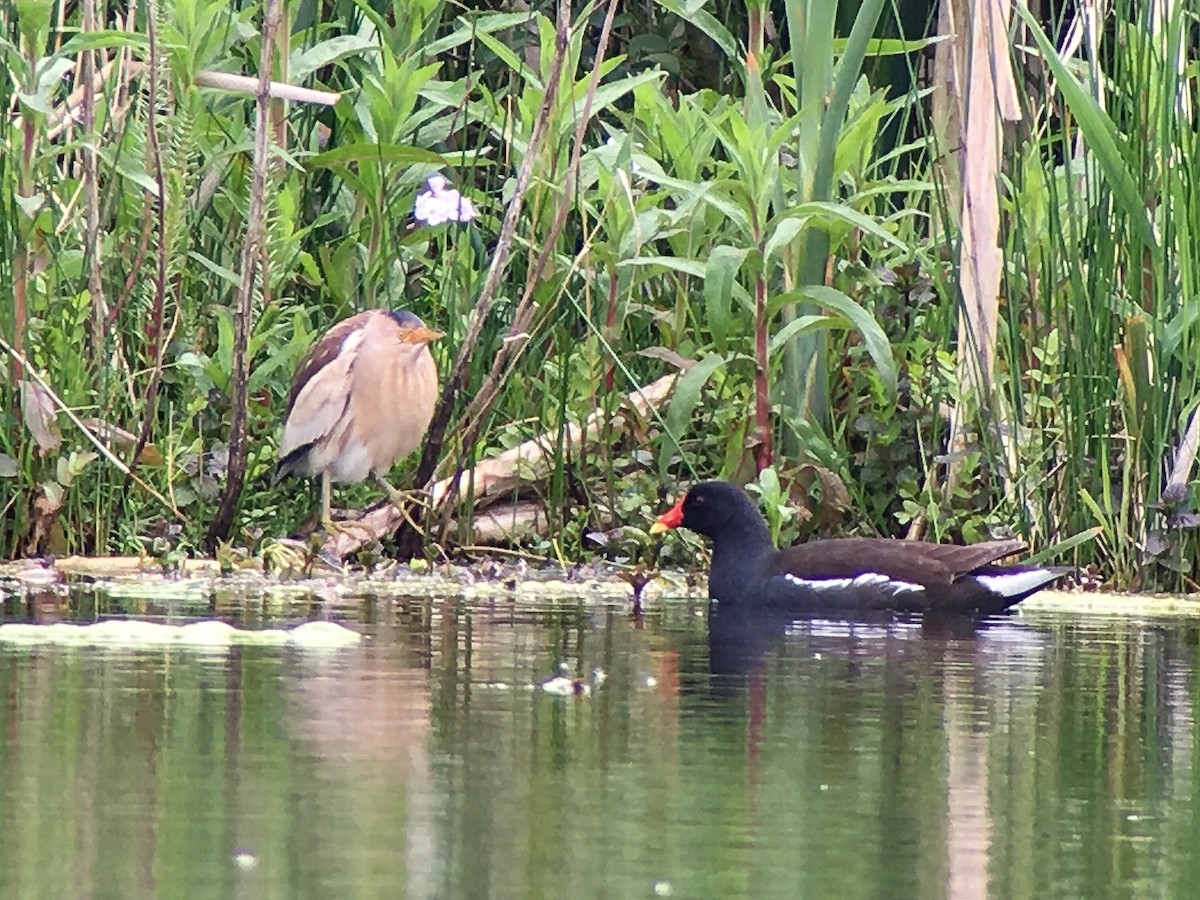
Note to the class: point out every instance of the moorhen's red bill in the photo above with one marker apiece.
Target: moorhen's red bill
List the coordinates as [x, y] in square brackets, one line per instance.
[846, 573]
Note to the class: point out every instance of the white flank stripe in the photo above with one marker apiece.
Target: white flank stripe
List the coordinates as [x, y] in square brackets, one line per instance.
[867, 579]
[1014, 582]
[351, 342]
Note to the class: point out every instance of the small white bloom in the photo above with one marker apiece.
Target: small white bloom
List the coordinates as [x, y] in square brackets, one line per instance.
[245, 860]
[562, 686]
[438, 204]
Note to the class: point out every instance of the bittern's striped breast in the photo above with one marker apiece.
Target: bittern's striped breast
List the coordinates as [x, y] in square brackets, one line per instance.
[362, 398]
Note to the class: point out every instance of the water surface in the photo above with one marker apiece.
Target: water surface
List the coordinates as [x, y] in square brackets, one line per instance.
[1035, 756]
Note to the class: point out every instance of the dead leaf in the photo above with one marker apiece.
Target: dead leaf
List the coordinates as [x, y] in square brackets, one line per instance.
[111, 434]
[40, 414]
[824, 491]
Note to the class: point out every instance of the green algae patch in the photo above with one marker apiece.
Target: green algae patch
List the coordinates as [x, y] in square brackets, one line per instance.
[207, 634]
[1097, 603]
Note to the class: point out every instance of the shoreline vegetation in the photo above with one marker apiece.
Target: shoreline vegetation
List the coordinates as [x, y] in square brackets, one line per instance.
[930, 277]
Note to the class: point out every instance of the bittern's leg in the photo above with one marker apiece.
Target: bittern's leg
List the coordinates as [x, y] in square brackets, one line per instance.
[326, 501]
[327, 524]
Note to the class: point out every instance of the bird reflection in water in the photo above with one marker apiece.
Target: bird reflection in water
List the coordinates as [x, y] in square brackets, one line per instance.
[364, 718]
[869, 674]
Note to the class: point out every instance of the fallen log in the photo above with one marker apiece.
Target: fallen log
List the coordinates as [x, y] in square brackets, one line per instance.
[502, 476]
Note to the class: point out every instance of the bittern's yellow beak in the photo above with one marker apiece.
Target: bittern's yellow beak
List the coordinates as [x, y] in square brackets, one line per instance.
[672, 518]
[420, 334]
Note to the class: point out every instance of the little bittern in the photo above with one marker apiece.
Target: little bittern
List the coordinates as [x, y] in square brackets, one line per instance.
[361, 398]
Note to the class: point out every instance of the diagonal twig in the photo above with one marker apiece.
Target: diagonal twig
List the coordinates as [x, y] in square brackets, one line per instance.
[517, 338]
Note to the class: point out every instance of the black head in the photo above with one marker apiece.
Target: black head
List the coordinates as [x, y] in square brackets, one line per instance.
[711, 508]
[411, 329]
[404, 319]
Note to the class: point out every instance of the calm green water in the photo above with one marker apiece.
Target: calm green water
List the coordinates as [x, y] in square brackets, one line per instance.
[1029, 758]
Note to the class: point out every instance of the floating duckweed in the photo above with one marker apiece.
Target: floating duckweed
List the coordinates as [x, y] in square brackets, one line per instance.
[206, 633]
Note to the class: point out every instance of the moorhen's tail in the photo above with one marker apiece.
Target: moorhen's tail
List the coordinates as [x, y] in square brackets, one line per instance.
[993, 589]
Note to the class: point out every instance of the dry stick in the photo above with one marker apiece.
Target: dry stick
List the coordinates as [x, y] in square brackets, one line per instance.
[75, 106]
[523, 316]
[92, 187]
[1185, 458]
[88, 433]
[495, 478]
[235, 476]
[441, 418]
[277, 90]
[22, 268]
[160, 280]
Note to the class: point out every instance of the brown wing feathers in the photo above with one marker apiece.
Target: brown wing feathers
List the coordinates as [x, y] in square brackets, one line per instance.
[918, 562]
[326, 404]
[322, 353]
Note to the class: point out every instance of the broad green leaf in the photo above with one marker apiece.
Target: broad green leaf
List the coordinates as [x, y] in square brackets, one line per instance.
[1058, 549]
[1105, 520]
[306, 61]
[782, 233]
[506, 55]
[855, 317]
[826, 213]
[102, 40]
[674, 263]
[262, 373]
[609, 93]
[33, 18]
[695, 14]
[122, 165]
[804, 325]
[470, 28]
[712, 194]
[890, 46]
[885, 187]
[720, 275]
[225, 274]
[684, 401]
[224, 355]
[308, 266]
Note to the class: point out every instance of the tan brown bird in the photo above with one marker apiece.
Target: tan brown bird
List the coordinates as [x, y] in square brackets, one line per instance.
[361, 398]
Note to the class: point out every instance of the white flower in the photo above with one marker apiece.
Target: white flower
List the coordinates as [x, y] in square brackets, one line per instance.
[438, 204]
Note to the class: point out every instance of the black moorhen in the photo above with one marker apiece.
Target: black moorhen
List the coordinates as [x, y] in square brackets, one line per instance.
[846, 574]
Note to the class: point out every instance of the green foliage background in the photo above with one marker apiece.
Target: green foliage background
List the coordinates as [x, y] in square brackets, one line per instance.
[689, 223]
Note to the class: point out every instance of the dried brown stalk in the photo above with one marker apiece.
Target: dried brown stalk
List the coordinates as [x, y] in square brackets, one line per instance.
[518, 332]
[158, 311]
[483, 307]
[222, 523]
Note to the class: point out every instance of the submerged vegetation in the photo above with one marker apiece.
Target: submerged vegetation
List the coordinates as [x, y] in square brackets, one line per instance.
[888, 316]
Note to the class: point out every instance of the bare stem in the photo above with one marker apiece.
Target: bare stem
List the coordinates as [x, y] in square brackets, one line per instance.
[222, 523]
